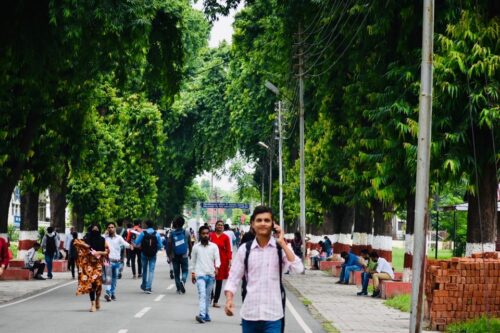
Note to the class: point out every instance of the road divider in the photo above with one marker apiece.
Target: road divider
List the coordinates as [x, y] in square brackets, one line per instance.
[159, 298]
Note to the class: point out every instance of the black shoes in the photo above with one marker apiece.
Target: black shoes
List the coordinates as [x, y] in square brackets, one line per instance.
[113, 297]
[361, 293]
[39, 277]
[199, 319]
[107, 298]
[376, 293]
[182, 288]
[171, 275]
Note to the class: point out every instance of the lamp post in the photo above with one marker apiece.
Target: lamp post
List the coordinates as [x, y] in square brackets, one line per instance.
[276, 91]
[263, 145]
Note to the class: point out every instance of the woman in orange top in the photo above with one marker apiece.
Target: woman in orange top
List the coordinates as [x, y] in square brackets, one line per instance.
[224, 244]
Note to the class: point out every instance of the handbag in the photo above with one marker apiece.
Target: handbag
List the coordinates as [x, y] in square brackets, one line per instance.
[106, 273]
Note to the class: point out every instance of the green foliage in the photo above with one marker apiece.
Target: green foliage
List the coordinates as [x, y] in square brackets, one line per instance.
[400, 302]
[12, 233]
[481, 325]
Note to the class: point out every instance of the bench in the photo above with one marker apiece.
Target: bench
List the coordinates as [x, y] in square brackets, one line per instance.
[390, 288]
[336, 269]
[327, 265]
[59, 266]
[355, 278]
[16, 274]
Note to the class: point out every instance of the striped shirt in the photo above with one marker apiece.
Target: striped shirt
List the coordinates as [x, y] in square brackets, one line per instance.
[263, 299]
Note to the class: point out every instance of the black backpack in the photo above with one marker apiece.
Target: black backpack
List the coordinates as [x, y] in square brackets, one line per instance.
[149, 244]
[50, 244]
[248, 247]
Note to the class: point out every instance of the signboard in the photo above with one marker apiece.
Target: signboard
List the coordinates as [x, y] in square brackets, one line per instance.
[17, 221]
[226, 205]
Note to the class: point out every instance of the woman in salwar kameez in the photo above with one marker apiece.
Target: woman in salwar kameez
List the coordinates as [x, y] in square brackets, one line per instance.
[92, 251]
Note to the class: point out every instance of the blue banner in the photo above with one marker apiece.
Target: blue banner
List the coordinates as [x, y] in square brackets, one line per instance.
[225, 205]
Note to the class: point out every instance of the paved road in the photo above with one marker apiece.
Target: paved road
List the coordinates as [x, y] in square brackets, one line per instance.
[59, 310]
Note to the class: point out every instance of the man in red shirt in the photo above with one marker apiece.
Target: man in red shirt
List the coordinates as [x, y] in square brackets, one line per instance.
[4, 255]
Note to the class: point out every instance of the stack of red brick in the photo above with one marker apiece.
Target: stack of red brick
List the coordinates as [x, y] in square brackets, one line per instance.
[462, 288]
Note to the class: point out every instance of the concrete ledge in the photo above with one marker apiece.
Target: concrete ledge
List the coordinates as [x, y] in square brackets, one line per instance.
[327, 265]
[16, 274]
[355, 278]
[58, 266]
[389, 288]
[336, 269]
[16, 263]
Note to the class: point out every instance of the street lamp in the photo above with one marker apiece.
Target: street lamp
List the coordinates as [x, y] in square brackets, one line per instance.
[276, 91]
[263, 145]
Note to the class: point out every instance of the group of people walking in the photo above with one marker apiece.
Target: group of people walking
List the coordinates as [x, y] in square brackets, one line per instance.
[259, 261]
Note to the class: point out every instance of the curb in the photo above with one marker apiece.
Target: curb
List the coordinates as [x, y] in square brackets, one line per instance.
[34, 292]
[310, 307]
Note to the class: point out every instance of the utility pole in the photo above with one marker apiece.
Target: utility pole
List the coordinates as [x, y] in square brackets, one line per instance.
[280, 162]
[270, 151]
[423, 165]
[302, 150]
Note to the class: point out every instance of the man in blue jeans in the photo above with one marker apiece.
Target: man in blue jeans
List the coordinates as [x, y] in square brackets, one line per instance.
[351, 263]
[150, 243]
[50, 247]
[179, 249]
[369, 268]
[115, 243]
[205, 262]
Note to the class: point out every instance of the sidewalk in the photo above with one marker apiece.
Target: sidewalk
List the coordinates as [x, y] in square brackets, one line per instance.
[340, 305]
[17, 289]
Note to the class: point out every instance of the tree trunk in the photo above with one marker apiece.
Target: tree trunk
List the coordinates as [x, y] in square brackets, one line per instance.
[16, 164]
[482, 213]
[410, 227]
[58, 205]
[28, 234]
[382, 231]
[327, 228]
[343, 219]
[363, 224]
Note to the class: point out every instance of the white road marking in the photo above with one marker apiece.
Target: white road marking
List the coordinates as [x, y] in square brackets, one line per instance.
[123, 331]
[34, 296]
[142, 312]
[171, 286]
[298, 318]
[157, 299]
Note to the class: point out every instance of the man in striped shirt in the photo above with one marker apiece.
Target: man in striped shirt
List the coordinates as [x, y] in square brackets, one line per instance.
[262, 310]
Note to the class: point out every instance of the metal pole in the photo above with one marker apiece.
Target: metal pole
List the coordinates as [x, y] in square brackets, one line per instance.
[262, 188]
[301, 154]
[437, 232]
[280, 162]
[454, 230]
[423, 164]
[270, 174]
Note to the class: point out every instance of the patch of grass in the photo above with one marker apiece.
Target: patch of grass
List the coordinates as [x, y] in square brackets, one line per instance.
[481, 325]
[305, 301]
[14, 249]
[328, 327]
[398, 256]
[400, 302]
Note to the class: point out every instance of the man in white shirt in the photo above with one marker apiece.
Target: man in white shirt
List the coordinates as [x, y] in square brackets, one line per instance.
[115, 243]
[205, 261]
[382, 272]
[33, 264]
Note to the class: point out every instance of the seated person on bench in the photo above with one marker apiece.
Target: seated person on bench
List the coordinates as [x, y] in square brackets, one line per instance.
[31, 262]
[382, 272]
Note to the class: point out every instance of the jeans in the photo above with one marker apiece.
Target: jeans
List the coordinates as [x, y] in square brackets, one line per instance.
[180, 263]
[261, 326]
[115, 268]
[136, 253]
[348, 270]
[365, 278]
[49, 258]
[205, 285]
[148, 271]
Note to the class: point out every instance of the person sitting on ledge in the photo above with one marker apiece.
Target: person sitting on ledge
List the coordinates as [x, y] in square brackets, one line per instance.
[382, 272]
[352, 263]
[33, 264]
[369, 269]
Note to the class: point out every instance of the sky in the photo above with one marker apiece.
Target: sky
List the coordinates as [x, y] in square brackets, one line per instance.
[221, 30]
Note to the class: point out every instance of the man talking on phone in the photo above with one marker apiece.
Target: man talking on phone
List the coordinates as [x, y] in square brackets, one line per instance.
[262, 262]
